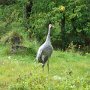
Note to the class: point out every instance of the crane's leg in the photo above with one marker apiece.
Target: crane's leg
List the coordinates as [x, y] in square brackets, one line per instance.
[48, 65]
[43, 67]
[43, 64]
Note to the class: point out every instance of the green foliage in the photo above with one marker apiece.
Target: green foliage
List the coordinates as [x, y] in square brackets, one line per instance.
[25, 48]
[71, 47]
[7, 2]
[44, 12]
[10, 36]
[68, 70]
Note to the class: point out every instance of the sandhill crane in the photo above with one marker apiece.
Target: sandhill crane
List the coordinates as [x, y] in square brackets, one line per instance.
[45, 50]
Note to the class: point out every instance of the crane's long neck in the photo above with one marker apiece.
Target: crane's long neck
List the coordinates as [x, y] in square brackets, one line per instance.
[48, 36]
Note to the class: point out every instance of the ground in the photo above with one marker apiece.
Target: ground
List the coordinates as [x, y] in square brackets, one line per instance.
[68, 71]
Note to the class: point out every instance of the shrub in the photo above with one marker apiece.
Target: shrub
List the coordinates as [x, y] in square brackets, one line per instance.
[7, 2]
[12, 38]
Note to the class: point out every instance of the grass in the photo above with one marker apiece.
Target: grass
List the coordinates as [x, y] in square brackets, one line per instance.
[68, 71]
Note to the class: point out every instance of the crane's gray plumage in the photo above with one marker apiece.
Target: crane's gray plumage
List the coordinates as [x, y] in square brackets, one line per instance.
[45, 50]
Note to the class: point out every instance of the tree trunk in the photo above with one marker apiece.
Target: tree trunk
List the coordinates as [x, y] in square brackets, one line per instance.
[74, 27]
[63, 33]
[27, 13]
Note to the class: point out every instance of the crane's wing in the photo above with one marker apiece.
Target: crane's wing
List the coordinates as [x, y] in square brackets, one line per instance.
[39, 52]
[45, 50]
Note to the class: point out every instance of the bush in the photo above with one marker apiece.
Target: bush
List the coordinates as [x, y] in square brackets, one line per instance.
[7, 2]
[12, 38]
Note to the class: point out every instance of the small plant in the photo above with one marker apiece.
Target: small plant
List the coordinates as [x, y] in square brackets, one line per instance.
[71, 47]
[18, 87]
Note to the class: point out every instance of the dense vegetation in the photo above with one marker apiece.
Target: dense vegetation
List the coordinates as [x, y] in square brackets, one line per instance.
[70, 18]
[23, 28]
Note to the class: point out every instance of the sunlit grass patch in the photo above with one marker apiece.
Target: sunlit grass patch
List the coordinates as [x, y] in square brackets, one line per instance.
[68, 71]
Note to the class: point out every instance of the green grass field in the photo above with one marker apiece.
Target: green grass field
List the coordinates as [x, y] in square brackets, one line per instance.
[68, 71]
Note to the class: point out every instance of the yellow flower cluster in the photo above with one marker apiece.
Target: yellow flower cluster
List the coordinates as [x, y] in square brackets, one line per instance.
[62, 8]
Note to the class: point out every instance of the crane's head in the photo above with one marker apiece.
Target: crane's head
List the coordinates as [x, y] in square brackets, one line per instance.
[50, 26]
